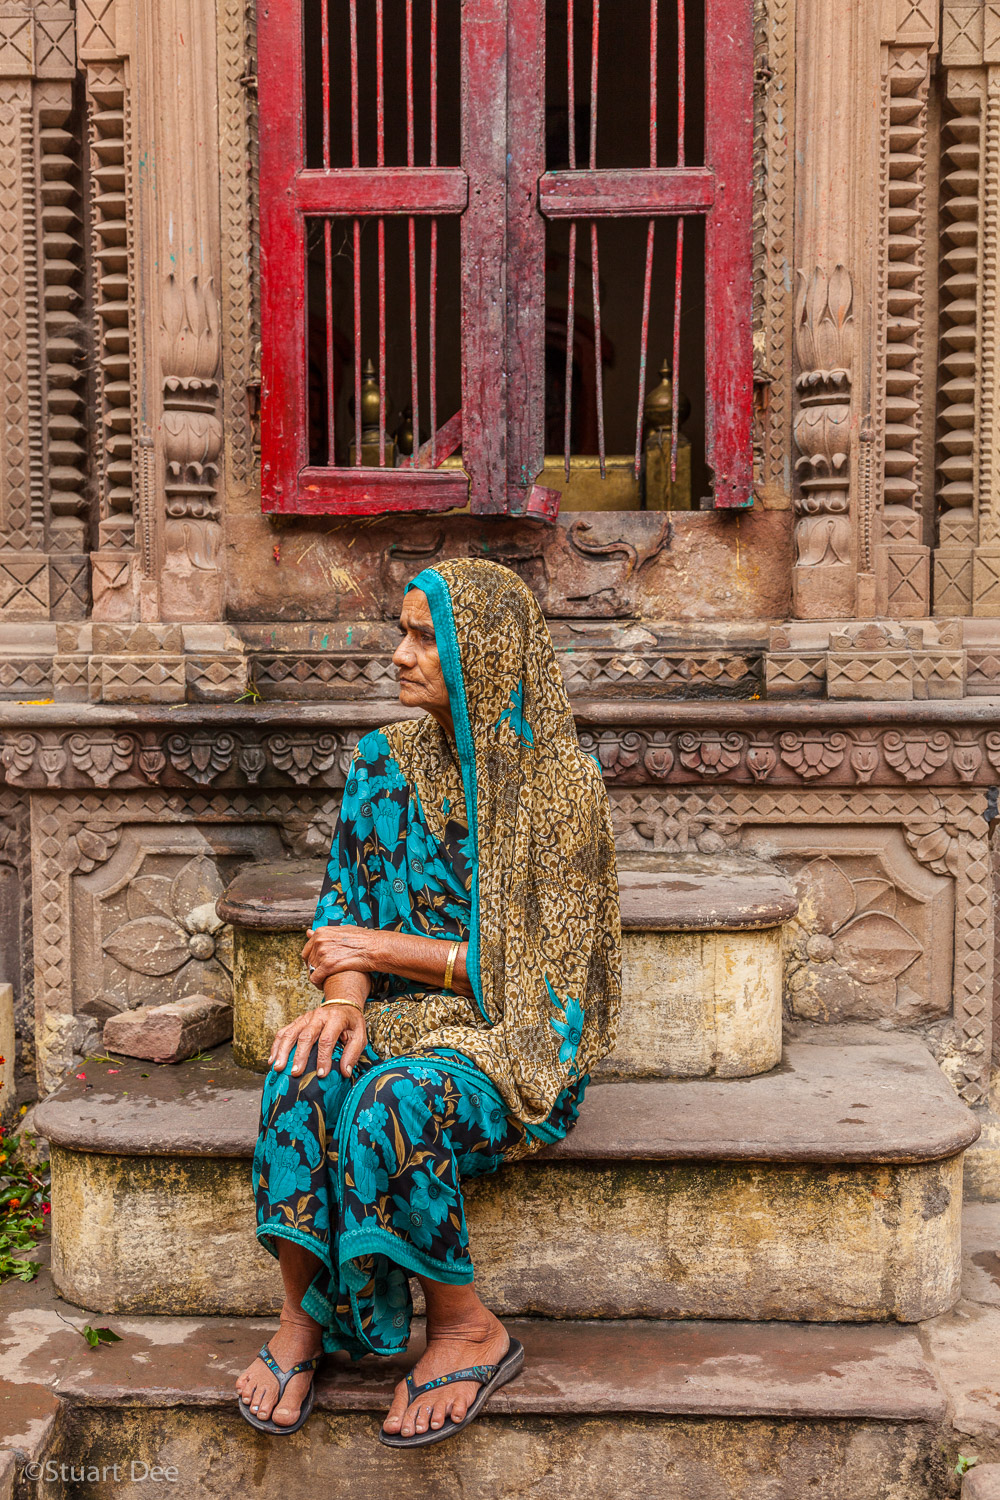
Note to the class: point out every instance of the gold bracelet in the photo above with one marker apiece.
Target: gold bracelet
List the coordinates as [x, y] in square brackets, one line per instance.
[340, 1000]
[449, 968]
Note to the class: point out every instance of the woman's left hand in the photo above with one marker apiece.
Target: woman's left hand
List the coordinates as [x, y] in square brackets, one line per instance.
[334, 950]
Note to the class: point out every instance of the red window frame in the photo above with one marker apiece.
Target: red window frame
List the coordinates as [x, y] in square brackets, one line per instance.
[503, 195]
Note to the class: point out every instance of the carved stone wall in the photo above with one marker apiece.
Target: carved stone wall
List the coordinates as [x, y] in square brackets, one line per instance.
[124, 896]
[43, 527]
[967, 560]
[879, 938]
[883, 815]
[773, 232]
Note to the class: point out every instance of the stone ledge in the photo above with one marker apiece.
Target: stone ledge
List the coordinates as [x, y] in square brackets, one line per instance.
[47, 747]
[857, 1097]
[658, 893]
[667, 1369]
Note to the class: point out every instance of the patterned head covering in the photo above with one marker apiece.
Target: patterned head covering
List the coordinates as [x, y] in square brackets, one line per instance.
[544, 953]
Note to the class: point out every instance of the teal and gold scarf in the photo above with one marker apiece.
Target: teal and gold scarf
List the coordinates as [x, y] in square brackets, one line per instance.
[542, 914]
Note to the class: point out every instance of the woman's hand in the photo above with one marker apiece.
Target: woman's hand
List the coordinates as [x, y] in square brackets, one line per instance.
[334, 950]
[328, 1024]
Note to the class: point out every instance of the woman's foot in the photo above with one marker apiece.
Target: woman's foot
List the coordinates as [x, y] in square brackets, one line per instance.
[298, 1337]
[480, 1340]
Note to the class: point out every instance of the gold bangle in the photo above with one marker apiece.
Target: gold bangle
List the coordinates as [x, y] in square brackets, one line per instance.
[340, 1000]
[449, 968]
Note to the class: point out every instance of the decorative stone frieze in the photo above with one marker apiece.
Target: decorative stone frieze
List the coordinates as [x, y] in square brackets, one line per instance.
[893, 745]
[883, 661]
[897, 917]
[125, 892]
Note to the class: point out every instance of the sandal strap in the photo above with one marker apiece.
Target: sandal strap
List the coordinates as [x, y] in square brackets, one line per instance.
[284, 1376]
[479, 1373]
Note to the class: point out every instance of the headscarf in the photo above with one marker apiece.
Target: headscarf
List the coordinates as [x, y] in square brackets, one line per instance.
[544, 955]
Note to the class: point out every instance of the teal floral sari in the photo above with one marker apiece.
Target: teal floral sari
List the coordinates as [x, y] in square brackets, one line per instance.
[367, 1172]
[498, 834]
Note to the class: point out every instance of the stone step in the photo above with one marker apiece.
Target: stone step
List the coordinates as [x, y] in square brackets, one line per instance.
[675, 1411]
[701, 962]
[982, 1483]
[827, 1190]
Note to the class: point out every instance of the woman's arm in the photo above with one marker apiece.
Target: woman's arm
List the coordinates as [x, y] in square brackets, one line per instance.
[342, 949]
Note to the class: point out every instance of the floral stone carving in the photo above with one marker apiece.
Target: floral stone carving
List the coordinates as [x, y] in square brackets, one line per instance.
[172, 943]
[860, 948]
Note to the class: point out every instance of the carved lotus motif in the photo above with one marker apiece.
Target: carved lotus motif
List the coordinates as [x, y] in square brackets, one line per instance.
[934, 839]
[855, 928]
[616, 753]
[864, 760]
[17, 756]
[659, 757]
[710, 754]
[916, 755]
[303, 757]
[174, 934]
[813, 754]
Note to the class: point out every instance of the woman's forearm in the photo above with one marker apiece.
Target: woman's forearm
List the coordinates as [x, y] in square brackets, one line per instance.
[424, 960]
[351, 984]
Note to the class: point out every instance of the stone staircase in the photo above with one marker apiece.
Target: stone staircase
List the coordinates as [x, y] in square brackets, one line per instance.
[711, 1274]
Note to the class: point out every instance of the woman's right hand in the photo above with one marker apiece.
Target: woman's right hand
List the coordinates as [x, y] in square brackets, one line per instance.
[327, 1024]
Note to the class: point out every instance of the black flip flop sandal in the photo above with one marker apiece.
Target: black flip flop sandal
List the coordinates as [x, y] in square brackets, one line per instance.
[490, 1377]
[284, 1376]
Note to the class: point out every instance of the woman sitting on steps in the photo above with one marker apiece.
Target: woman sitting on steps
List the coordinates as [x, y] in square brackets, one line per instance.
[468, 943]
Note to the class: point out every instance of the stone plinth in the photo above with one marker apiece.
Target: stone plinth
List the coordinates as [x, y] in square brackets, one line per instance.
[701, 962]
[828, 1190]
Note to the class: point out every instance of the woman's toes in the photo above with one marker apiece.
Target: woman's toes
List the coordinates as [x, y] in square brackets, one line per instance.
[394, 1417]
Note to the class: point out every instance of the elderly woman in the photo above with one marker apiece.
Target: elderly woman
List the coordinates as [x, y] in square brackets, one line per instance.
[468, 944]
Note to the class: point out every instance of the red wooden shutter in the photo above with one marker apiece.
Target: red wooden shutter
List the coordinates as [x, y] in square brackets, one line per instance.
[721, 191]
[503, 195]
[291, 193]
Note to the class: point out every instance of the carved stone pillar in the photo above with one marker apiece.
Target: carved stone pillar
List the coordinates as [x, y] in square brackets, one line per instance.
[967, 557]
[903, 313]
[986, 557]
[103, 42]
[959, 435]
[836, 54]
[179, 275]
[43, 563]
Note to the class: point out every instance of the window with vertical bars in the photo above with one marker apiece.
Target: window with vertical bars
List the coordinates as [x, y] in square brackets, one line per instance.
[505, 254]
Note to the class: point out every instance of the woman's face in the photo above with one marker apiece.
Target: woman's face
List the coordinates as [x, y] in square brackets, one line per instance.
[421, 680]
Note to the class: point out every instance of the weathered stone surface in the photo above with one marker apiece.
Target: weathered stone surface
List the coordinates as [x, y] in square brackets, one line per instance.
[730, 1410]
[505, 1458]
[271, 987]
[701, 962]
[717, 1369]
[705, 893]
[694, 1003]
[176, 1234]
[830, 1190]
[171, 1032]
[982, 1161]
[698, 1003]
[982, 1483]
[8, 1082]
[658, 892]
[842, 1094]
